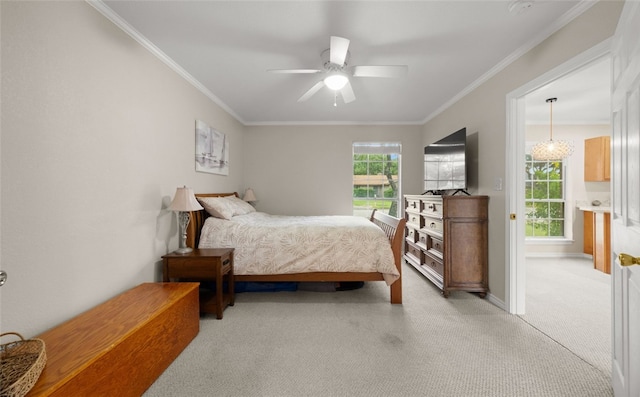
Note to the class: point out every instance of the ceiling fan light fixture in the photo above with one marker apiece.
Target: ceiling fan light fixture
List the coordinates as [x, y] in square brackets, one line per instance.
[336, 81]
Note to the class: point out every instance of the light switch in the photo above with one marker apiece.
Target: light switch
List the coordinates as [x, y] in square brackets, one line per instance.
[497, 184]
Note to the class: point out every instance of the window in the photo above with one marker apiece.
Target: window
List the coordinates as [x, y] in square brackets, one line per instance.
[544, 198]
[376, 176]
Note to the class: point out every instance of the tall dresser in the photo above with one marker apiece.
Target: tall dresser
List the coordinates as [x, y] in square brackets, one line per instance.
[446, 240]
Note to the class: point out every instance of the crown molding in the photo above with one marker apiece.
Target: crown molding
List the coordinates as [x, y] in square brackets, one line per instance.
[567, 17]
[108, 13]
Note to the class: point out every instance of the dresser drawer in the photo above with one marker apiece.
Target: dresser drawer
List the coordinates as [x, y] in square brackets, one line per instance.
[434, 264]
[422, 239]
[432, 225]
[436, 245]
[412, 235]
[414, 251]
[413, 205]
[414, 219]
[432, 206]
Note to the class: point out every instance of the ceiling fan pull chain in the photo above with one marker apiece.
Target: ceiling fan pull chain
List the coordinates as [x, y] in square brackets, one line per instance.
[335, 98]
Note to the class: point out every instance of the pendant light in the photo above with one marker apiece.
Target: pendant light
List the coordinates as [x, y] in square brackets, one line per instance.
[551, 150]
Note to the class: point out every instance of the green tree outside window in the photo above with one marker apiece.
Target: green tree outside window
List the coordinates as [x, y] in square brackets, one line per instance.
[375, 180]
[544, 198]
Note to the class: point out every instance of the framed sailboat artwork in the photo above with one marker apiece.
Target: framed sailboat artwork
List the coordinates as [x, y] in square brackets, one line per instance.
[212, 150]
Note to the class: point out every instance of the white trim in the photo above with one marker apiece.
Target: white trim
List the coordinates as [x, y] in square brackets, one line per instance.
[514, 249]
[137, 36]
[496, 302]
[548, 241]
[567, 17]
[556, 255]
[514, 237]
[295, 123]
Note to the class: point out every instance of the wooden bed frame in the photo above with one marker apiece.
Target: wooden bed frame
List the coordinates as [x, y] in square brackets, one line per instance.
[392, 227]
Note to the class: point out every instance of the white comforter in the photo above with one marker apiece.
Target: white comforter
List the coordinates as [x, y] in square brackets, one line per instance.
[274, 244]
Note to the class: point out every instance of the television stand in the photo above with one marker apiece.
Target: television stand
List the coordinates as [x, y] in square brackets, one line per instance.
[447, 241]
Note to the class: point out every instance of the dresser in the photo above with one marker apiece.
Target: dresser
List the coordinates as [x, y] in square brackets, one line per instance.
[446, 240]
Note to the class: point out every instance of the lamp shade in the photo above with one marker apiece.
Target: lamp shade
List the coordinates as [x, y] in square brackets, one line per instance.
[249, 195]
[336, 81]
[184, 200]
[551, 150]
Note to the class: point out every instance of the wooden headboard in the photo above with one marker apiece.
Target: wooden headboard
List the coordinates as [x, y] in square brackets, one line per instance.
[198, 218]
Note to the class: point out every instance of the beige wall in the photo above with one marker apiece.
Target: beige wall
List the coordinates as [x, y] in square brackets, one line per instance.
[97, 133]
[307, 170]
[484, 111]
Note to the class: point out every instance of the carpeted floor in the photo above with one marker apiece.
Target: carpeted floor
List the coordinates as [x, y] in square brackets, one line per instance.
[354, 343]
[570, 301]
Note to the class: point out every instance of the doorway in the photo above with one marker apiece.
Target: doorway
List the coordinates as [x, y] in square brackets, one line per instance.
[551, 267]
[516, 141]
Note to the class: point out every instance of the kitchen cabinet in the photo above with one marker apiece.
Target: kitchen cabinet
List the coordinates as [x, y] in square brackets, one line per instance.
[597, 236]
[588, 232]
[597, 159]
[602, 242]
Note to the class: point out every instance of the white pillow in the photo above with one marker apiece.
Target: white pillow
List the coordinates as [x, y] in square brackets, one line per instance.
[219, 207]
[239, 206]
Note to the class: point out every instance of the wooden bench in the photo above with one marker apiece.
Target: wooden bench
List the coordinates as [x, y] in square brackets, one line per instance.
[120, 347]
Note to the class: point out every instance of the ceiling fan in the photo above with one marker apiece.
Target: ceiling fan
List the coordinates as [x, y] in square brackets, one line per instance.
[336, 74]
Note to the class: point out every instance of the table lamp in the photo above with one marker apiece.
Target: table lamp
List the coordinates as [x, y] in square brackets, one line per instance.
[184, 202]
[249, 195]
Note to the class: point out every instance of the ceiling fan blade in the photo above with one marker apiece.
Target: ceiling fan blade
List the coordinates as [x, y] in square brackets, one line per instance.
[311, 91]
[338, 50]
[347, 93]
[305, 71]
[381, 71]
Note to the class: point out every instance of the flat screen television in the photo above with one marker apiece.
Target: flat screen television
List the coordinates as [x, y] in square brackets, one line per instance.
[445, 166]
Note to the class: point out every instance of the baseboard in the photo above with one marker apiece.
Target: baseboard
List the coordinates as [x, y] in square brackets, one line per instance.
[556, 255]
[496, 302]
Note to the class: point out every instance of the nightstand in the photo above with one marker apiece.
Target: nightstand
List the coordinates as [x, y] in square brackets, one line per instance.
[204, 264]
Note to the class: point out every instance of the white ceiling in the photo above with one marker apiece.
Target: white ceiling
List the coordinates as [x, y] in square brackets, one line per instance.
[584, 97]
[226, 47]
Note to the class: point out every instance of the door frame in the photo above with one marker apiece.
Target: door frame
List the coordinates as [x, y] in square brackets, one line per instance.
[515, 271]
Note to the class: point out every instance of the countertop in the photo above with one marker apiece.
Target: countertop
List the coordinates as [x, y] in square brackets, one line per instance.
[594, 208]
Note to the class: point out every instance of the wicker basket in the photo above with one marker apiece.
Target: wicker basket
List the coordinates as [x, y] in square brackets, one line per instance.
[21, 363]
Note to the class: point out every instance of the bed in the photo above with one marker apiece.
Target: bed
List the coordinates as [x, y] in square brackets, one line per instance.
[387, 245]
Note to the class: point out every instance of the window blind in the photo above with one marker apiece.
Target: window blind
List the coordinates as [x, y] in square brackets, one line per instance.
[377, 148]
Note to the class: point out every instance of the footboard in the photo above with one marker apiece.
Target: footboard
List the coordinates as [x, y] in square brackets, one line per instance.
[394, 229]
